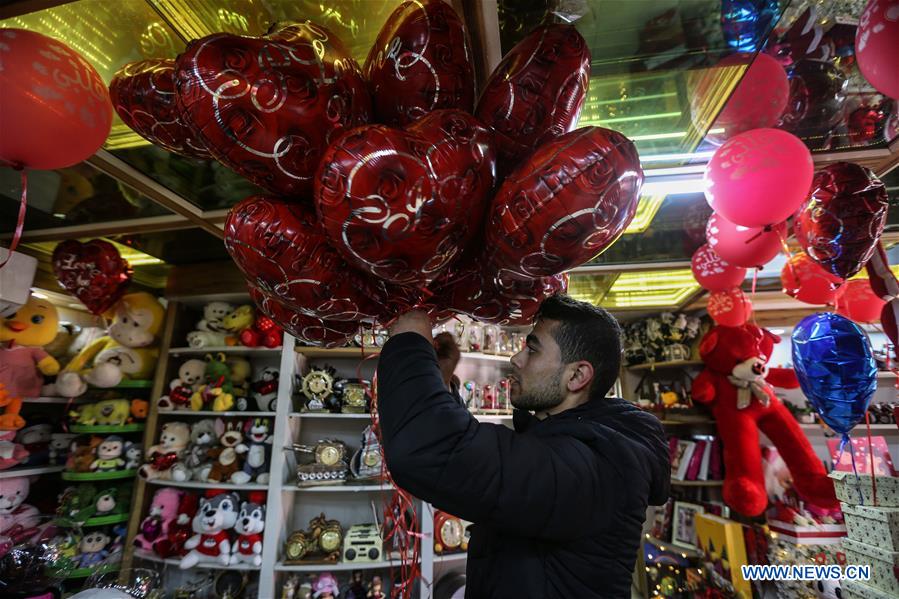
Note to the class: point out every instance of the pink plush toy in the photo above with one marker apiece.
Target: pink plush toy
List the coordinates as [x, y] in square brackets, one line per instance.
[17, 519]
[163, 510]
[11, 453]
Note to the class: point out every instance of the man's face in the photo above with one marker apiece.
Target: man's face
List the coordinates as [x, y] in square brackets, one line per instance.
[537, 371]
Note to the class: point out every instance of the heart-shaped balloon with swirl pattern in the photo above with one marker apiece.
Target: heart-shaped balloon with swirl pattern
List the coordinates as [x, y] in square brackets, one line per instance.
[400, 203]
[308, 330]
[267, 106]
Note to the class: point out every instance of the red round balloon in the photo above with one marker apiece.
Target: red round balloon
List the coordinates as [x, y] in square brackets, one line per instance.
[730, 308]
[94, 272]
[143, 95]
[401, 203]
[759, 178]
[803, 279]
[420, 62]
[267, 107]
[565, 204]
[56, 110]
[857, 301]
[536, 92]
[747, 247]
[308, 330]
[713, 273]
[283, 251]
[758, 100]
[877, 45]
[841, 223]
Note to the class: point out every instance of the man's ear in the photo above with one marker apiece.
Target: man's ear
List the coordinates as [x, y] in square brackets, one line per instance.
[580, 377]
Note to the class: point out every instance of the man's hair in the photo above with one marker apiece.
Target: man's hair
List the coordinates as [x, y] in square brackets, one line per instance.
[586, 332]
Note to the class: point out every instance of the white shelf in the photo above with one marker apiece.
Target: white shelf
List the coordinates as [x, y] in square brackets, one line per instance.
[53, 400]
[485, 357]
[494, 418]
[350, 488]
[329, 416]
[886, 374]
[450, 557]
[28, 471]
[171, 561]
[860, 427]
[334, 567]
[200, 413]
[229, 349]
[193, 484]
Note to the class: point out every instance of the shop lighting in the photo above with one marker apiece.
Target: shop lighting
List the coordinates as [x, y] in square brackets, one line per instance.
[673, 186]
[38, 295]
[647, 208]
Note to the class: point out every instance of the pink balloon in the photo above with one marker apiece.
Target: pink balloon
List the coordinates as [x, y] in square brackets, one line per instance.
[877, 45]
[857, 301]
[805, 280]
[729, 308]
[713, 273]
[758, 100]
[759, 177]
[749, 247]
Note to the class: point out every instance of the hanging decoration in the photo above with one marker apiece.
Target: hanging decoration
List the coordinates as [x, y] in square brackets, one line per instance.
[745, 24]
[803, 279]
[94, 272]
[747, 247]
[306, 329]
[713, 273]
[858, 302]
[729, 308]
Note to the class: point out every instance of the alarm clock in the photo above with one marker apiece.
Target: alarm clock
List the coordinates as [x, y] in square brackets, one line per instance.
[363, 543]
[449, 533]
[366, 462]
[297, 547]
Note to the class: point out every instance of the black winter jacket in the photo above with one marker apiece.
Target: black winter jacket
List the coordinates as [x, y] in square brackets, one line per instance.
[557, 505]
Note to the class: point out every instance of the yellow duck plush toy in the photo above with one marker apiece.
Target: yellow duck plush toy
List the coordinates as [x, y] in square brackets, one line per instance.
[22, 361]
[125, 353]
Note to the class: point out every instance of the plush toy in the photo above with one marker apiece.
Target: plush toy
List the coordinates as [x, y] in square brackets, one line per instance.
[112, 412]
[257, 451]
[93, 549]
[265, 389]
[133, 455]
[216, 391]
[325, 586]
[109, 455]
[250, 523]
[77, 504]
[81, 454]
[196, 463]
[240, 319]
[163, 510]
[211, 331]
[241, 371]
[263, 332]
[59, 447]
[85, 415]
[226, 457]
[214, 518]
[114, 500]
[173, 439]
[22, 361]
[127, 352]
[140, 409]
[179, 529]
[11, 453]
[734, 384]
[190, 376]
[17, 519]
[35, 438]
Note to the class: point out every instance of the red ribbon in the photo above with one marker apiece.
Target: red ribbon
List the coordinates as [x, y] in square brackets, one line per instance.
[20, 223]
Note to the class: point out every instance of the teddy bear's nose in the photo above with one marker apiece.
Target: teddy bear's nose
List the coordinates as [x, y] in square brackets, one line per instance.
[758, 367]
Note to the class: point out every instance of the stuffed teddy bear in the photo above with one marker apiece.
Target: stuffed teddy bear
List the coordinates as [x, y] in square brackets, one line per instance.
[17, 518]
[22, 361]
[211, 331]
[737, 385]
[196, 463]
[154, 528]
[247, 548]
[190, 376]
[173, 439]
[211, 543]
[126, 352]
[226, 457]
[11, 453]
[216, 391]
[180, 529]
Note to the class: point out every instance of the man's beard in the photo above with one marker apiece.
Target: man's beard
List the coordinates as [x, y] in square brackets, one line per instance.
[543, 397]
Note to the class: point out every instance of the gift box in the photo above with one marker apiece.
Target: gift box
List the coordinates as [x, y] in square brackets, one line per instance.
[861, 492]
[884, 564]
[877, 526]
[781, 550]
[819, 534]
[856, 589]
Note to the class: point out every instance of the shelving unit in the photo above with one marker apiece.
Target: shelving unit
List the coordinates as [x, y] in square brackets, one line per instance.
[663, 365]
[195, 484]
[335, 566]
[212, 414]
[697, 483]
[171, 561]
[231, 350]
[29, 471]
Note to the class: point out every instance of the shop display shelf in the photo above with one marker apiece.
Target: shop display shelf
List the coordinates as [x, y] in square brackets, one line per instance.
[451, 557]
[486, 357]
[660, 365]
[130, 385]
[135, 427]
[697, 483]
[193, 484]
[85, 572]
[53, 400]
[234, 350]
[345, 488]
[330, 416]
[859, 429]
[211, 413]
[94, 476]
[106, 520]
[886, 374]
[338, 352]
[29, 471]
[173, 561]
[494, 418]
[280, 566]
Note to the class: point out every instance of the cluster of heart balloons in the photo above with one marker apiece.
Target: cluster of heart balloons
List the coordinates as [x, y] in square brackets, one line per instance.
[387, 186]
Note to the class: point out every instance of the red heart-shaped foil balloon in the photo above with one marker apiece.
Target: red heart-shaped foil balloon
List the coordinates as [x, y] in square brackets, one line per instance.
[267, 107]
[94, 272]
[536, 92]
[308, 330]
[840, 224]
[420, 62]
[283, 251]
[401, 203]
[565, 204]
[143, 95]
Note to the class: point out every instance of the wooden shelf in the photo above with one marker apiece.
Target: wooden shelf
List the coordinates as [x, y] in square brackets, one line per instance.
[233, 350]
[29, 471]
[330, 416]
[338, 352]
[660, 365]
[346, 488]
[207, 413]
[170, 561]
[195, 484]
[697, 483]
[334, 567]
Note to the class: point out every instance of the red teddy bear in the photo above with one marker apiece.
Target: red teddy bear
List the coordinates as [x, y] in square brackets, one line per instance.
[734, 384]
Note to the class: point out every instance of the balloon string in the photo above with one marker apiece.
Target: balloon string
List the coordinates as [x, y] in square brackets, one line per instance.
[20, 222]
[858, 481]
[871, 457]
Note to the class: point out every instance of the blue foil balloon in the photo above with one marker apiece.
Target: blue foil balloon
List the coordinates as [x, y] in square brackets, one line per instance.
[835, 367]
[746, 23]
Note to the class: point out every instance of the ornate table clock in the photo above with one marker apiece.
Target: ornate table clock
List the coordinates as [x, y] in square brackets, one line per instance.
[449, 533]
[318, 387]
[366, 462]
[354, 396]
[326, 463]
[328, 535]
[298, 546]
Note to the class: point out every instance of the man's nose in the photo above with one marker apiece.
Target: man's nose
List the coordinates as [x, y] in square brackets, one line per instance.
[516, 360]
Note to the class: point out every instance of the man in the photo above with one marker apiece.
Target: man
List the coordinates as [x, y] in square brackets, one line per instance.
[448, 356]
[558, 504]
